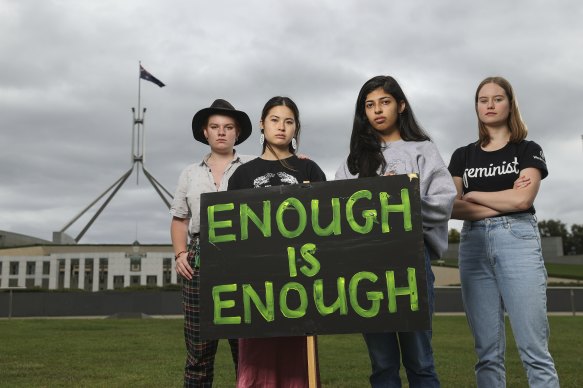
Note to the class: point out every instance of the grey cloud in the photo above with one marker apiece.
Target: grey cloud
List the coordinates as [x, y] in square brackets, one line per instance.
[69, 72]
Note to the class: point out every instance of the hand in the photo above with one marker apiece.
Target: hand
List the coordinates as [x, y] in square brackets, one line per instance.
[521, 182]
[182, 267]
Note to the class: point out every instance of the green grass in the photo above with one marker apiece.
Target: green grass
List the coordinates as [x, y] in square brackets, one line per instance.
[150, 353]
[568, 271]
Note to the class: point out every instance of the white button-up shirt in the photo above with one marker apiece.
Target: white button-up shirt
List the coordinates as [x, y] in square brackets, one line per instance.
[196, 179]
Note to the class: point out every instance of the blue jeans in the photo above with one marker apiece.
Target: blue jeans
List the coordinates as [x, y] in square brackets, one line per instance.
[385, 351]
[502, 269]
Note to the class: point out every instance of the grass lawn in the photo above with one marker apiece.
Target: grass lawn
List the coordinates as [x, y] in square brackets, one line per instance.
[569, 271]
[150, 353]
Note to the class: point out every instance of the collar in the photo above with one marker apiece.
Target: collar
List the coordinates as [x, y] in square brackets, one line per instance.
[204, 161]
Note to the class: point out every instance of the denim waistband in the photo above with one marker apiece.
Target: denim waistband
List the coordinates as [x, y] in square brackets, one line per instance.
[501, 220]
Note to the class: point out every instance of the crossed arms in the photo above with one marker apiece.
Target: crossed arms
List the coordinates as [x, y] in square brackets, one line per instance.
[477, 205]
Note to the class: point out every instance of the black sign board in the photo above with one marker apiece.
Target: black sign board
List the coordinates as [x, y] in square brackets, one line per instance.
[315, 258]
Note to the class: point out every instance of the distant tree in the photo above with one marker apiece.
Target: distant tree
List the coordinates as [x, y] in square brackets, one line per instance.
[572, 240]
[552, 228]
[575, 242]
[453, 236]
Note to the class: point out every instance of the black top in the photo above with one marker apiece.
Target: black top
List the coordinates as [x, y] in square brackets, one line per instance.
[265, 173]
[495, 170]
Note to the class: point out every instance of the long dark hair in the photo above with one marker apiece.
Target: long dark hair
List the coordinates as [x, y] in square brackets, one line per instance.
[282, 101]
[366, 154]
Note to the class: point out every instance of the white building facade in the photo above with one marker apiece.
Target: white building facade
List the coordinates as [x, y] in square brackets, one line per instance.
[87, 267]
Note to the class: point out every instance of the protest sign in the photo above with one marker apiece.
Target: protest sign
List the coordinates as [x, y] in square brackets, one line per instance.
[316, 258]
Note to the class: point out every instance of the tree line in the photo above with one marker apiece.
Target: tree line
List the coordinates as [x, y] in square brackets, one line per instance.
[572, 237]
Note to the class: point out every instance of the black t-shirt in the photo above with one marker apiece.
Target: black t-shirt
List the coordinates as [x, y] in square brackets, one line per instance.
[265, 173]
[495, 170]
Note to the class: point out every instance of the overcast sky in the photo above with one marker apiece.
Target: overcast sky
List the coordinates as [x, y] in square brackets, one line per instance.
[69, 78]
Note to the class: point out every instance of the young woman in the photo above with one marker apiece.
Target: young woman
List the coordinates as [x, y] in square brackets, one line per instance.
[221, 127]
[387, 140]
[501, 266]
[282, 361]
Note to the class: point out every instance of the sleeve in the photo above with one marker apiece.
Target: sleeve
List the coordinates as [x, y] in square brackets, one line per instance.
[438, 191]
[457, 163]
[316, 174]
[240, 179]
[235, 180]
[531, 155]
[179, 207]
[342, 172]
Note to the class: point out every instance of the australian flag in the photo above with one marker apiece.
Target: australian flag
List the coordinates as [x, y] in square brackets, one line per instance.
[149, 77]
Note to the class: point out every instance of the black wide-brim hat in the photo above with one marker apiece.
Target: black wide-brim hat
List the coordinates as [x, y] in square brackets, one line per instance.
[221, 107]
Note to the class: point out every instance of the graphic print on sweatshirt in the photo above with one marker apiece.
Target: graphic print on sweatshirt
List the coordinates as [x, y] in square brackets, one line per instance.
[491, 171]
[274, 179]
[396, 166]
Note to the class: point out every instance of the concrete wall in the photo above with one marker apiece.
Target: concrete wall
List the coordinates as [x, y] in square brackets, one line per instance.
[62, 304]
[105, 303]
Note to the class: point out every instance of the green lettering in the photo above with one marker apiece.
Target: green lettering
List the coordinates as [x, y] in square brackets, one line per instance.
[374, 296]
[401, 291]
[334, 226]
[404, 207]
[291, 262]
[247, 214]
[369, 215]
[266, 310]
[219, 304]
[300, 311]
[213, 225]
[340, 302]
[307, 251]
[299, 207]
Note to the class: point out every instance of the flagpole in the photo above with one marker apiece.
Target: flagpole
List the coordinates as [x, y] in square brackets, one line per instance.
[140, 124]
[139, 86]
[137, 156]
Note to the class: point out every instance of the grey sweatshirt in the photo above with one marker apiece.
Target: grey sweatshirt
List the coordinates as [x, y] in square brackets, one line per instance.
[436, 186]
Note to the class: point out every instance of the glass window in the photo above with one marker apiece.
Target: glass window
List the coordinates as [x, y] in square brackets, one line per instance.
[74, 274]
[103, 264]
[166, 271]
[135, 280]
[152, 280]
[118, 281]
[30, 267]
[135, 263]
[88, 280]
[14, 267]
[46, 267]
[61, 278]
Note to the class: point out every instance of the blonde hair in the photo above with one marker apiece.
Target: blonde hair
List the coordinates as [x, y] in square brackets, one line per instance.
[517, 127]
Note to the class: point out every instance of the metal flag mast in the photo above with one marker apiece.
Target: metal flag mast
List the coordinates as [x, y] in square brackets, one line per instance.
[137, 159]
